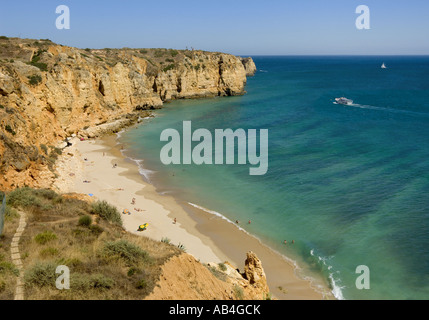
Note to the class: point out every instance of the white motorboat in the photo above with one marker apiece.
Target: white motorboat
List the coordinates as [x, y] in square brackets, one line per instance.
[344, 101]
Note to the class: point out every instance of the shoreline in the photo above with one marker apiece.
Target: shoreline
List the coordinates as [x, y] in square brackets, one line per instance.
[206, 236]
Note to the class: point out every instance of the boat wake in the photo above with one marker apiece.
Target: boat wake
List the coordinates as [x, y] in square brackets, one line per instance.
[401, 111]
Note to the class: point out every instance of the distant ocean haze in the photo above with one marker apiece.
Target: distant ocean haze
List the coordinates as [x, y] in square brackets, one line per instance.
[348, 183]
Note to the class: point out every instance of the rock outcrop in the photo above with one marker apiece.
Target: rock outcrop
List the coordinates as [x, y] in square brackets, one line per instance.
[254, 272]
[49, 92]
[184, 278]
[249, 66]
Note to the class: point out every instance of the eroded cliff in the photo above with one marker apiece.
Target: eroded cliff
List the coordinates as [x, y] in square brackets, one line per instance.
[49, 92]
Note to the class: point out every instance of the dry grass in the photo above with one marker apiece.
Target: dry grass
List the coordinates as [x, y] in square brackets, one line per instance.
[105, 262]
[8, 272]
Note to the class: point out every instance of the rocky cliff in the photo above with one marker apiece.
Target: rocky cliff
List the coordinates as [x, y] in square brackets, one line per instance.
[184, 278]
[49, 92]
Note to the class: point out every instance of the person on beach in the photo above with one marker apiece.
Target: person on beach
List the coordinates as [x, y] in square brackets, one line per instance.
[250, 222]
[285, 241]
[293, 241]
[175, 220]
[133, 201]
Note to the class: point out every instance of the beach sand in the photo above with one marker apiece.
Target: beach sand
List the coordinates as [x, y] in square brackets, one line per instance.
[208, 237]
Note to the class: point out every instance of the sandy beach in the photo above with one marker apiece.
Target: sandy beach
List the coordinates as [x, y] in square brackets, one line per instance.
[98, 168]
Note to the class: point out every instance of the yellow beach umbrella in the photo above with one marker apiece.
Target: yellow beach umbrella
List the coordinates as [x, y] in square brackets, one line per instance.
[143, 227]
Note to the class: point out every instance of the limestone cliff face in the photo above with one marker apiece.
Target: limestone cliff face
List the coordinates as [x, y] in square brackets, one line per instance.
[49, 92]
[249, 66]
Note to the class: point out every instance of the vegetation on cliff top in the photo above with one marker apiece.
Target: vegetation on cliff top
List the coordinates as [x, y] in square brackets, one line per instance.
[105, 261]
[35, 53]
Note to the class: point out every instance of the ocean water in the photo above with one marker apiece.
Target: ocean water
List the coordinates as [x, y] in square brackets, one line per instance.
[350, 184]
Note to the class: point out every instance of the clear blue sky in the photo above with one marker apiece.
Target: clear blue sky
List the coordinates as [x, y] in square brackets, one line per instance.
[271, 27]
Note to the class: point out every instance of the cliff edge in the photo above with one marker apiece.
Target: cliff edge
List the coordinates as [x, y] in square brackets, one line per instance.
[49, 92]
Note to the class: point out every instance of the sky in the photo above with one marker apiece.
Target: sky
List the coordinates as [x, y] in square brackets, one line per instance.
[269, 27]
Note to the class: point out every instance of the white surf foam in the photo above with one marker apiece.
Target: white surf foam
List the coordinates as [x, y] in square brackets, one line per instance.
[337, 289]
[217, 214]
[298, 271]
[146, 173]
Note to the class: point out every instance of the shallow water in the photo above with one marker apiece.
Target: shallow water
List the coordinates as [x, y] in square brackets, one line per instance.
[350, 184]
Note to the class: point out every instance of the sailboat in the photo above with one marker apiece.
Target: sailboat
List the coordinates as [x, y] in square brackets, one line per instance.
[383, 66]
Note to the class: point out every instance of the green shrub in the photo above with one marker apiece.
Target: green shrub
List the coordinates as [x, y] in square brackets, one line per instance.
[159, 53]
[218, 274]
[85, 221]
[55, 151]
[41, 274]
[72, 263]
[35, 61]
[24, 198]
[42, 66]
[238, 292]
[174, 52]
[132, 271]
[83, 282]
[96, 229]
[4, 38]
[141, 284]
[35, 80]
[6, 267]
[11, 212]
[143, 51]
[222, 266]
[123, 250]
[9, 129]
[46, 193]
[45, 237]
[107, 212]
[165, 240]
[44, 148]
[268, 296]
[169, 67]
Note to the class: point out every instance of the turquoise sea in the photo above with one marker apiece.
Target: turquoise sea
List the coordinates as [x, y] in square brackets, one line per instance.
[350, 184]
